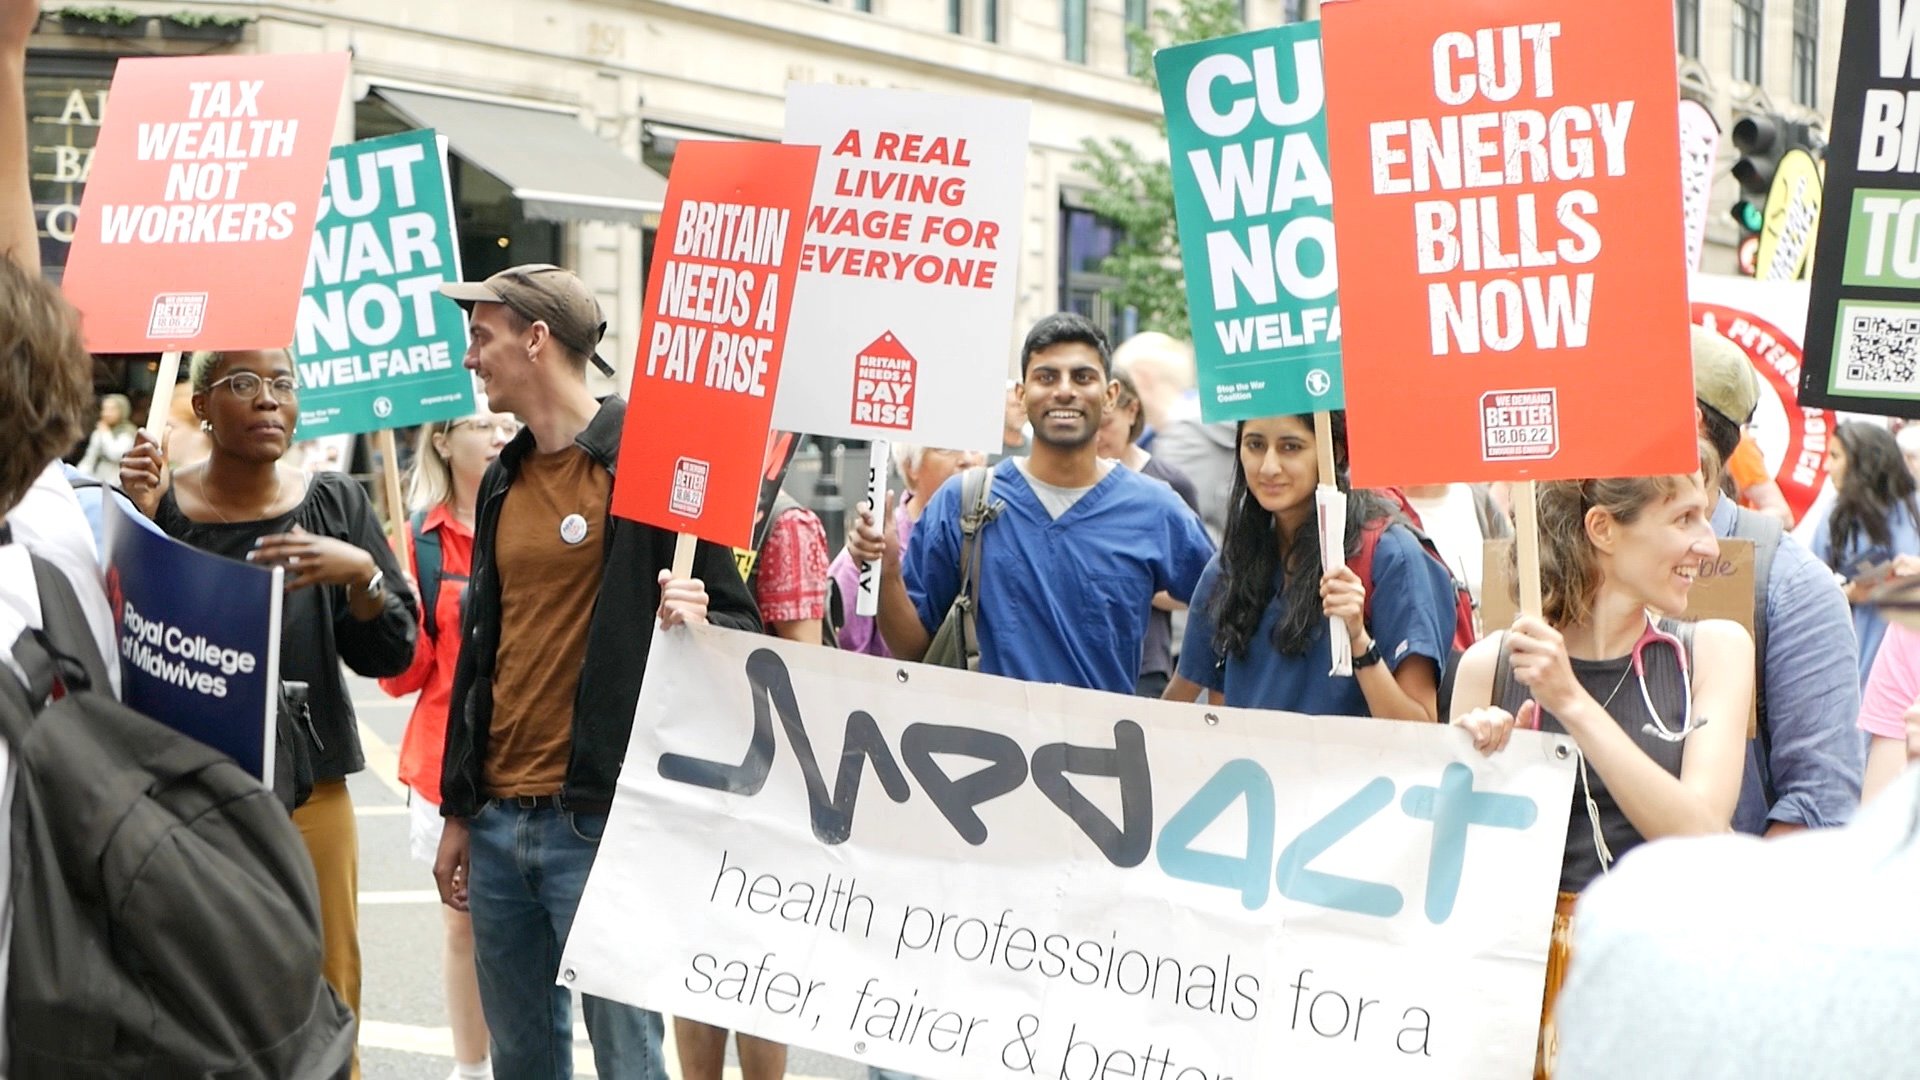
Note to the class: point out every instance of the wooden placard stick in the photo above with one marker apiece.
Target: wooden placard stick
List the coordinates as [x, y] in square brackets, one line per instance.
[1526, 535]
[162, 404]
[384, 445]
[1323, 442]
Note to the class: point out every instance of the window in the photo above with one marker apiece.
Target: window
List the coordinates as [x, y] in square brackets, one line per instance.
[990, 20]
[66, 97]
[1137, 57]
[1748, 17]
[1289, 11]
[1073, 20]
[1806, 53]
[956, 16]
[1686, 27]
[1086, 239]
[863, 5]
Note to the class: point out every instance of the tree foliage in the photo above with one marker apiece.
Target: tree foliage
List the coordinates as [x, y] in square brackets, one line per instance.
[1134, 190]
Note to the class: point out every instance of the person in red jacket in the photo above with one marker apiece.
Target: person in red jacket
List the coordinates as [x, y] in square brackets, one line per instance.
[447, 466]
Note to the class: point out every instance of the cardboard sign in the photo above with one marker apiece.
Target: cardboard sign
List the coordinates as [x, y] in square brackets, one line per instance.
[998, 880]
[199, 639]
[1766, 320]
[718, 300]
[1247, 130]
[903, 316]
[1793, 214]
[197, 215]
[1863, 325]
[1699, 167]
[1723, 589]
[1511, 169]
[375, 343]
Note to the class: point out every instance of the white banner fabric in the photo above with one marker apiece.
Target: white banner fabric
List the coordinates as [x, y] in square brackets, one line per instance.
[970, 877]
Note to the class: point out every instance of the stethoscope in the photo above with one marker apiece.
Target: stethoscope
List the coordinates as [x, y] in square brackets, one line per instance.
[1653, 635]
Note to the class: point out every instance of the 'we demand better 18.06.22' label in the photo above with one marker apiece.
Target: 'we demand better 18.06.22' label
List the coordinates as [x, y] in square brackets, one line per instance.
[1521, 425]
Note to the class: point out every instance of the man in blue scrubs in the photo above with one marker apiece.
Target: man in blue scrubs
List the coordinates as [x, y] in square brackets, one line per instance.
[1070, 566]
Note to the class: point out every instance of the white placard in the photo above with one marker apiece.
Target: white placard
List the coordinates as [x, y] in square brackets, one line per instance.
[963, 876]
[903, 313]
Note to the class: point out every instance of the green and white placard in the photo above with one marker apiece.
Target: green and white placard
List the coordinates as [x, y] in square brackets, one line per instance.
[376, 346]
[1246, 129]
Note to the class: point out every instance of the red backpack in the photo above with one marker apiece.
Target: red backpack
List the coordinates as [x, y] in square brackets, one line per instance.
[1362, 564]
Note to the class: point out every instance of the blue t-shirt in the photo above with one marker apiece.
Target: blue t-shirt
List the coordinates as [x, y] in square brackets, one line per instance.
[1061, 601]
[1413, 612]
[1868, 626]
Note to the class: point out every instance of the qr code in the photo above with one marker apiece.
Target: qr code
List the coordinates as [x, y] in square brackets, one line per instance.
[1879, 349]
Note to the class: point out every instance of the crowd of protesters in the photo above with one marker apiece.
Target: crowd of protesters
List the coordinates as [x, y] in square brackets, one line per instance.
[1124, 546]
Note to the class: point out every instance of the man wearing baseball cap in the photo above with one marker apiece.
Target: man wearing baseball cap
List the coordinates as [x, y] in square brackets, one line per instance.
[559, 618]
[1804, 768]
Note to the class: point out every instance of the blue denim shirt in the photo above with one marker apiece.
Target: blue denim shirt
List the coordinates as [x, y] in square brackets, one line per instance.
[1812, 695]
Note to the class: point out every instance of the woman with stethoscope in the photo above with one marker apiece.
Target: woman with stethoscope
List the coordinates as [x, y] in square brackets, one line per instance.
[1660, 757]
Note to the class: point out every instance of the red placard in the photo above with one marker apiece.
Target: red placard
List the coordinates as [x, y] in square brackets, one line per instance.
[1507, 207]
[718, 297]
[201, 202]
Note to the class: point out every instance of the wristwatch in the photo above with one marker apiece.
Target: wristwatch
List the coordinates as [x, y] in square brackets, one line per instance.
[1368, 658]
[374, 583]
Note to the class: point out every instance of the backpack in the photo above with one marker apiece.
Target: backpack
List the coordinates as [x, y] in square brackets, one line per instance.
[956, 644]
[164, 914]
[427, 562]
[1362, 564]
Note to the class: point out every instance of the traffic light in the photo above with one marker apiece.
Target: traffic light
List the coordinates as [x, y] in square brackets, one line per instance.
[1761, 140]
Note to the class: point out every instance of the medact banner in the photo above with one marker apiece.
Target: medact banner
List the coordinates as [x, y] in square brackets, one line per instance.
[1246, 127]
[1863, 325]
[970, 877]
[198, 637]
[376, 344]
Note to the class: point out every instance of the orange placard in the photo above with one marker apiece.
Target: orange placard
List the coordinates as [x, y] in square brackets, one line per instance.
[199, 210]
[718, 297]
[1507, 208]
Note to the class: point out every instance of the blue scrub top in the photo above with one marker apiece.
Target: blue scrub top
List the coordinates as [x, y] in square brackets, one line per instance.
[1413, 614]
[1061, 601]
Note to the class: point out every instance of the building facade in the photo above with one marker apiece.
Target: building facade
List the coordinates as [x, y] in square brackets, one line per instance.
[564, 115]
[1754, 56]
[525, 90]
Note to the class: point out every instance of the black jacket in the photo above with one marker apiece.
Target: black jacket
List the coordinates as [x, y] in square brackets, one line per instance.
[619, 634]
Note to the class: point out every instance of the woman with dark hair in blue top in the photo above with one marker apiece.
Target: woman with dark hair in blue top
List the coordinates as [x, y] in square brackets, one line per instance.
[1258, 631]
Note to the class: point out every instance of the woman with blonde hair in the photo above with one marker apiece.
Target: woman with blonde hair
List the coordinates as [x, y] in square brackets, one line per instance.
[110, 440]
[1657, 708]
[448, 462]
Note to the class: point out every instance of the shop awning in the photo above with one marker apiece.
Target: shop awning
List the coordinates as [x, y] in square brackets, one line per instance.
[558, 169]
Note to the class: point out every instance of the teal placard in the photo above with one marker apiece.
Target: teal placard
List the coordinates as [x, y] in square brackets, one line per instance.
[1247, 132]
[376, 346]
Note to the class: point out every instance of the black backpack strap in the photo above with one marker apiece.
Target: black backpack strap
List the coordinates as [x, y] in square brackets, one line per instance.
[427, 560]
[1507, 694]
[67, 635]
[977, 508]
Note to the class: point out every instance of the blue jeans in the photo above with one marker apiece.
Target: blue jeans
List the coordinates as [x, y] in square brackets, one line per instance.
[527, 870]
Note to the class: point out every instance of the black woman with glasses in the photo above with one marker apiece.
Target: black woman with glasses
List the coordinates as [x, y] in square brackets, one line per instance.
[346, 597]
[1657, 707]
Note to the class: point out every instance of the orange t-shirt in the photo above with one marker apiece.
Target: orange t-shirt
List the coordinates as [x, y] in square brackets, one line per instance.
[548, 548]
[1746, 466]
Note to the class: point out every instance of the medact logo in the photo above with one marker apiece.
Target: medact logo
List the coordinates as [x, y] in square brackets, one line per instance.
[1447, 810]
